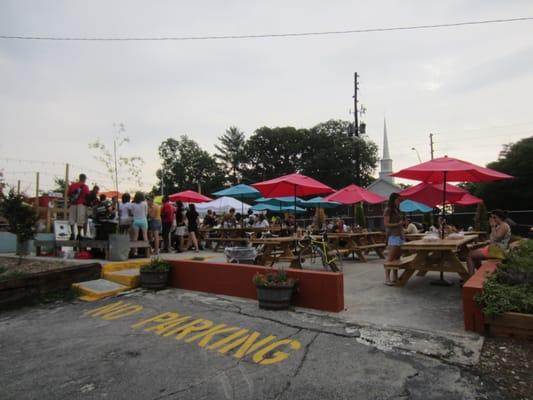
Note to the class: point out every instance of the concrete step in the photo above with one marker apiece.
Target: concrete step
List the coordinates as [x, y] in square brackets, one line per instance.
[128, 277]
[98, 289]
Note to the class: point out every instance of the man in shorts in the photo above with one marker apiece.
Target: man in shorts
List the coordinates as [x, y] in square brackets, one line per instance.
[77, 193]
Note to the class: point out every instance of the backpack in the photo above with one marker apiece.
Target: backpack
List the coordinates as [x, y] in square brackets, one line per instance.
[74, 196]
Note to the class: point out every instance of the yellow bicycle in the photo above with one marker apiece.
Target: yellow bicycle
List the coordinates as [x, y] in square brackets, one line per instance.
[311, 249]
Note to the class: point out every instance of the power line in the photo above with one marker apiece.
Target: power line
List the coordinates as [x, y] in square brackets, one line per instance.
[267, 35]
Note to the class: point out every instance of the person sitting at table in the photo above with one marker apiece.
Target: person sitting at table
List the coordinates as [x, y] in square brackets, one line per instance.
[250, 221]
[261, 222]
[500, 235]
[339, 226]
[393, 224]
[408, 227]
[208, 221]
[238, 220]
[228, 221]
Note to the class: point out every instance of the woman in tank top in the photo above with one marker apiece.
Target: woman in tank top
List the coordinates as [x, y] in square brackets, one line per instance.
[392, 220]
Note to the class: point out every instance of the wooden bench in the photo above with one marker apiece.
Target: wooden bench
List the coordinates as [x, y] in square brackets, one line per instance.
[401, 263]
[77, 244]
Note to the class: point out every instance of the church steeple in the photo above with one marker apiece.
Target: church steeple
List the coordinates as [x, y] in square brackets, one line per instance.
[386, 161]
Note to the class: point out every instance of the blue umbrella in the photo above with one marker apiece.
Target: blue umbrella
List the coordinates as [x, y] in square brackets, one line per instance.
[413, 206]
[276, 209]
[319, 202]
[281, 201]
[241, 192]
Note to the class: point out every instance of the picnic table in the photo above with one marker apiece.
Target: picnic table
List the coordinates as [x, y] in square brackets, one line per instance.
[442, 255]
[358, 243]
[276, 249]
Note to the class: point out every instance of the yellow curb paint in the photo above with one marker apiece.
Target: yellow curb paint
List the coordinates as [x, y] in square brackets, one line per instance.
[131, 281]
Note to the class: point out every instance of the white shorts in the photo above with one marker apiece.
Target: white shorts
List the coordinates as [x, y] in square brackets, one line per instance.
[180, 231]
[77, 214]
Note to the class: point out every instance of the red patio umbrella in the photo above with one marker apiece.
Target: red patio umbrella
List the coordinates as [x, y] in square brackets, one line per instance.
[292, 185]
[468, 200]
[449, 169]
[430, 194]
[352, 194]
[189, 196]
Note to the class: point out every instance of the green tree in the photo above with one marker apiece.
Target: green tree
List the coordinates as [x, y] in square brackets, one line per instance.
[272, 152]
[515, 194]
[231, 153]
[187, 166]
[330, 155]
[59, 185]
[360, 215]
[481, 219]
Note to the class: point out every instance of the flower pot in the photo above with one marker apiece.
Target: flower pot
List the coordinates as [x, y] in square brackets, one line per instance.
[274, 297]
[119, 247]
[154, 279]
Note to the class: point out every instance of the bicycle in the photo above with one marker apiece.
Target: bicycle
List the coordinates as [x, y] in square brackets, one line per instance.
[311, 249]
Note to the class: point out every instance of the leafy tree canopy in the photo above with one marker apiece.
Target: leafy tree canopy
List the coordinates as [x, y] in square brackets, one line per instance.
[231, 154]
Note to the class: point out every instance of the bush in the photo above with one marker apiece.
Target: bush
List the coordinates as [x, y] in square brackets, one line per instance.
[274, 279]
[510, 288]
[156, 264]
[481, 219]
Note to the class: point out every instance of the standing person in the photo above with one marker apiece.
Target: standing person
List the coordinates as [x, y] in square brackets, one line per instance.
[154, 223]
[139, 212]
[180, 226]
[125, 218]
[77, 193]
[167, 218]
[392, 219]
[192, 225]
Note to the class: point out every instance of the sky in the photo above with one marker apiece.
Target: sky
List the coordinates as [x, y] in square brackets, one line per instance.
[470, 86]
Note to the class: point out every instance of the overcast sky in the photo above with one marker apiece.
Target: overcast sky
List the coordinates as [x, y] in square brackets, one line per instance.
[471, 86]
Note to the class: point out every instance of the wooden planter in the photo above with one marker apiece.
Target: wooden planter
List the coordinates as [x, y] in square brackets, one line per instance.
[510, 324]
[153, 279]
[274, 298]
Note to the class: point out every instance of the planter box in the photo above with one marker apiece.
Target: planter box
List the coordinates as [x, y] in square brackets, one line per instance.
[18, 291]
[319, 290]
[511, 324]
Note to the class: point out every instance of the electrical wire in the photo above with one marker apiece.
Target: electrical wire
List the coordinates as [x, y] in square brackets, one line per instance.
[267, 35]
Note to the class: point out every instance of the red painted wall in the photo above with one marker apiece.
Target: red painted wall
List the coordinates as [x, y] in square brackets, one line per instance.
[317, 289]
[473, 315]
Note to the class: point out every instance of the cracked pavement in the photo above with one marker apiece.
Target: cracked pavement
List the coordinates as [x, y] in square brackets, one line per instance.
[62, 352]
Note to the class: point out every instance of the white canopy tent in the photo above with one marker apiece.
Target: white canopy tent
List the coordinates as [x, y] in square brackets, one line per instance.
[222, 205]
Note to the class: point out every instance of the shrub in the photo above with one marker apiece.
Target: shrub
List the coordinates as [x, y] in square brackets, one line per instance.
[274, 278]
[156, 264]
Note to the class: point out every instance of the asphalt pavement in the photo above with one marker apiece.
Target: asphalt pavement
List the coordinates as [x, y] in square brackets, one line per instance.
[175, 344]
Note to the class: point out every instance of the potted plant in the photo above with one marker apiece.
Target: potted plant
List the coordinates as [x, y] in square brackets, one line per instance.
[21, 218]
[155, 274]
[274, 289]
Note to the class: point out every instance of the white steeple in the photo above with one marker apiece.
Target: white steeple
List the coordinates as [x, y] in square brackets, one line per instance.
[386, 161]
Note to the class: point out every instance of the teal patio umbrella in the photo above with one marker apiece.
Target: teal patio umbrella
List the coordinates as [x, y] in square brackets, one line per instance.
[319, 202]
[413, 206]
[240, 192]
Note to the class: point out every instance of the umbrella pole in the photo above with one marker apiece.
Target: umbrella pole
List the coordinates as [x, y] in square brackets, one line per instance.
[294, 208]
[442, 281]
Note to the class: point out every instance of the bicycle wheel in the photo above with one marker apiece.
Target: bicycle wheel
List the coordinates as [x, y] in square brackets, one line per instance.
[326, 264]
[307, 253]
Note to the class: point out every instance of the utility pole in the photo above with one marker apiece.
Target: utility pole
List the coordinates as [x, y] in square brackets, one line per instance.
[356, 131]
[431, 144]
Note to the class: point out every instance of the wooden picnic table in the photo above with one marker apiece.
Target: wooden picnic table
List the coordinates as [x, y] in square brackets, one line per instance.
[442, 255]
[276, 249]
[358, 243]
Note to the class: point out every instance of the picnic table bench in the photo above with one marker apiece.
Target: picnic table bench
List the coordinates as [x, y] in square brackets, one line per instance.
[357, 243]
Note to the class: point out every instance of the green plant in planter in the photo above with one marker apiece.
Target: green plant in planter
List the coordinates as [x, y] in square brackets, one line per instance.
[21, 218]
[274, 278]
[154, 275]
[156, 264]
[510, 287]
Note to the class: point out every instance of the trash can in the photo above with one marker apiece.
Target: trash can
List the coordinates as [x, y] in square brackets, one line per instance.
[240, 255]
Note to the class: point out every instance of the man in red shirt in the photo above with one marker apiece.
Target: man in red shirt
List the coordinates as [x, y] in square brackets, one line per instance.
[168, 215]
[77, 192]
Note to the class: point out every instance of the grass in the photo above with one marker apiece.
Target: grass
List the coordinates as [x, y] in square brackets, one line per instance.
[5, 276]
[59, 295]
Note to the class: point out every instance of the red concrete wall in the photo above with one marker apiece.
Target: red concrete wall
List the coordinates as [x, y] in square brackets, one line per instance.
[473, 315]
[317, 289]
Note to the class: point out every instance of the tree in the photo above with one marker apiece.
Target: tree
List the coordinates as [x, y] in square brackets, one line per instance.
[515, 194]
[272, 152]
[481, 219]
[330, 155]
[116, 164]
[231, 153]
[21, 219]
[360, 215]
[59, 185]
[187, 166]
